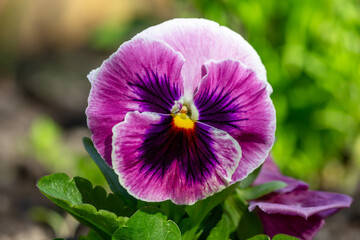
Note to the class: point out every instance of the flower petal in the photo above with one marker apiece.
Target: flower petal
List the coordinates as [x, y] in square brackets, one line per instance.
[157, 161]
[233, 99]
[143, 75]
[270, 172]
[201, 40]
[302, 203]
[295, 226]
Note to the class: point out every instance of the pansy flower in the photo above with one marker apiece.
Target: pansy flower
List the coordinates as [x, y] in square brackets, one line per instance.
[294, 210]
[181, 111]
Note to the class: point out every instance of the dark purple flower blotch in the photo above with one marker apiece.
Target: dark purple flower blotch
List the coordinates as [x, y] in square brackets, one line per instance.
[181, 111]
[294, 210]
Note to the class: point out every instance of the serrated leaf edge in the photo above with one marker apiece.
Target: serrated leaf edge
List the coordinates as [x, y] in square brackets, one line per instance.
[93, 210]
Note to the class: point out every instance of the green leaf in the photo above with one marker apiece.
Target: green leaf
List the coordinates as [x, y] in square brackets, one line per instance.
[210, 221]
[150, 224]
[231, 212]
[173, 211]
[259, 237]
[284, 237]
[111, 177]
[260, 190]
[98, 197]
[234, 207]
[90, 206]
[222, 229]
[251, 178]
[249, 226]
[200, 209]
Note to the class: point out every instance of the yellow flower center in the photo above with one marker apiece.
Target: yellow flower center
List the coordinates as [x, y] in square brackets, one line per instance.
[182, 120]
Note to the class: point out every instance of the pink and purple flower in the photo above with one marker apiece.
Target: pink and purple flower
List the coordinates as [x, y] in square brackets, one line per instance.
[181, 111]
[294, 210]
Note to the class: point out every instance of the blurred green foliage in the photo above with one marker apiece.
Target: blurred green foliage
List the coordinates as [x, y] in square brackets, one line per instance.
[49, 147]
[311, 50]
[61, 225]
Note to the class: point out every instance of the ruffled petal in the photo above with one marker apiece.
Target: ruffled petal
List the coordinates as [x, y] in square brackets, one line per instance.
[294, 210]
[270, 172]
[302, 203]
[232, 98]
[156, 160]
[201, 40]
[295, 226]
[143, 75]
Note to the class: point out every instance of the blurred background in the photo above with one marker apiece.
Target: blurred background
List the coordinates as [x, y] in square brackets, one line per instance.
[311, 50]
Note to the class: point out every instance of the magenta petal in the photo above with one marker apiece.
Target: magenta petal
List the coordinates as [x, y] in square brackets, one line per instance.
[201, 40]
[232, 98]
[295, 226]
[294, 210]
[143, 75]
[270, 172]
[156, 161]
[302, 203]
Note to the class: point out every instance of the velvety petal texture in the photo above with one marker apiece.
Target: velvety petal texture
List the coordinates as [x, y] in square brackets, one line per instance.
[157, 161]
[181, 111]
[201, 40]
[302, 203]
[232, 98]
[143, 75]
[296, 226]
[294, 210]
